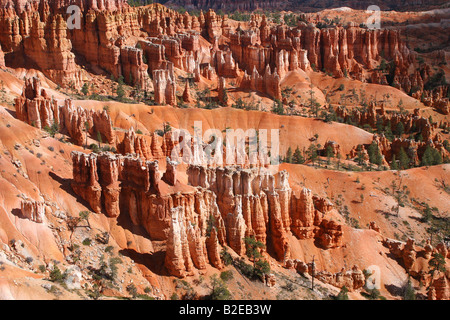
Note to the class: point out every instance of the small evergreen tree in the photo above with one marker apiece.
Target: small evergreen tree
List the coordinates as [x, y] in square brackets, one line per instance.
[408, 292]
[329, 153]
[427, 157]
[85, 89]
[400, 129]
[99, 138]
[297, 157]
[360, 156]
[375, 156]
[219, 290]
[403, 159]
[87, 127]
[388, 133]
[437, 264]
[253, 249]
[278, 107]
[436, 156]
[120, 91]
[343, 294]
[289, 158]
[84, 215]
[312, 153]
[394, 165]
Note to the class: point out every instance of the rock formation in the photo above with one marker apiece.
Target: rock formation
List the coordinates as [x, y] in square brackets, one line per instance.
[224, 207]
[136, 42]
[165, 86]
[268, 83]
[75, 121]
[412, 123]
[170, 176]
[35, 107]
[134, 70]
[352, 279]
[439, 289]
[269, 208]
[415, 260]
[33, 210]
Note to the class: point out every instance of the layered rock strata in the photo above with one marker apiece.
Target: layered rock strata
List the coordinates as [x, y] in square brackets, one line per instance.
[221, 207]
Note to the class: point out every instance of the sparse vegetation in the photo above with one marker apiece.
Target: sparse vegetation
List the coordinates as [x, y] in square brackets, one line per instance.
[219, 290]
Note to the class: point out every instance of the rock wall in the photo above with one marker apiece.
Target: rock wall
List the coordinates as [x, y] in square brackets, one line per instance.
[111, 38]
[75, 121]
[412, 123]
[134, 68]
[415, 260]
[221, 207]
[164, 84]
[267, 205]
[33, 210]
[35, 107]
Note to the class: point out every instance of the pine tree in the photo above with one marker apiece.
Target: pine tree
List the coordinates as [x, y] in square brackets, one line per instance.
[394, 165]
[288, 158]
[343, 294]
[278, 107]
[131, 80]
[360, 156]
[427, 157]
[253, 249]
[120, 91]
[225, 97]
[400, 129]
[297, 157]
[436, 156]
[99, 139]
[409, 292]
[87, 127]
[404, 159]
[437, 264]
[379, 124]
[388, 133]
[85, 89]
[329, 153]
[312, 153]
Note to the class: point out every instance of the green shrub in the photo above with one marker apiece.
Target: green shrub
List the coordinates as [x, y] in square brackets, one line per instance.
[57, 276]
[342, 294]
[226, 256]
[219, 289]
[226, 275]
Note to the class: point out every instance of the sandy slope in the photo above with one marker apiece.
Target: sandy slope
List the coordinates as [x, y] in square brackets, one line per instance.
[294, 131]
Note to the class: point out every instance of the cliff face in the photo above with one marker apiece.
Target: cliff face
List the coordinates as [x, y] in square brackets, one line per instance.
[33, 210]
[111, 38]
[339, 50]
[36, 108]
[222, 207]
[268, 206]
[165, 86]
[415, 260]
[306, 5]
[411, 123]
